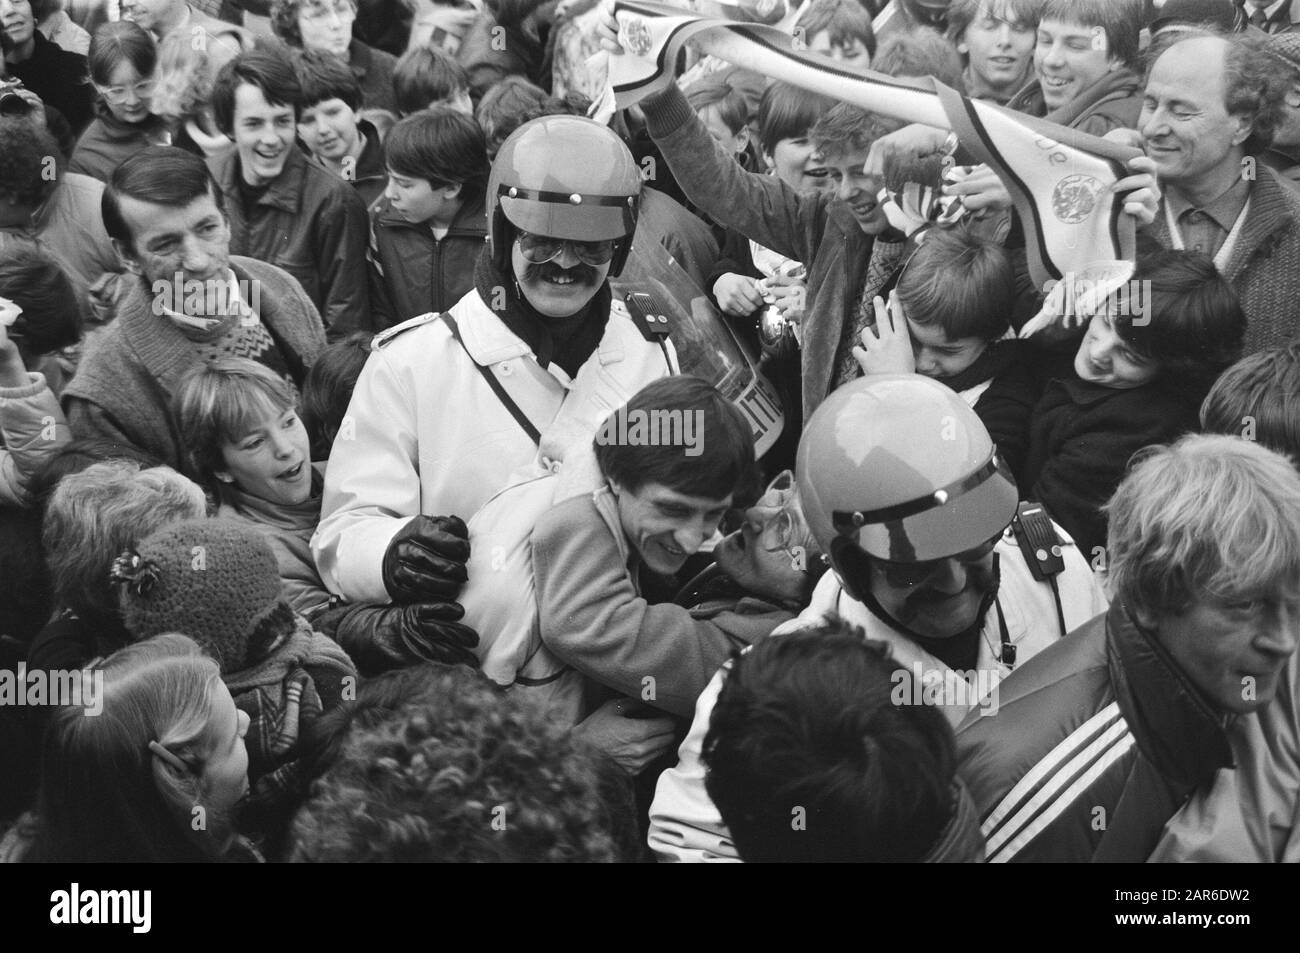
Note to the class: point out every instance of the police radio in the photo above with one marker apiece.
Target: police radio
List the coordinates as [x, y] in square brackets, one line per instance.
[1036, 536]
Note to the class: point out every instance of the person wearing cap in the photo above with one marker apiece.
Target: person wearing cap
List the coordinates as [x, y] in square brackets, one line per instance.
[1283, 156]
[1165, 728]
[450, 405]
[904, 491]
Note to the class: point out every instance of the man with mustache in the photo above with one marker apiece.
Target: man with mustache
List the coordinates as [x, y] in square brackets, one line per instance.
[535, 355]
[903, 490]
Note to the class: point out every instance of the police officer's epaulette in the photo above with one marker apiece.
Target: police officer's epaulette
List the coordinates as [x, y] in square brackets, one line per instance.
[383, 337]
[645, 313]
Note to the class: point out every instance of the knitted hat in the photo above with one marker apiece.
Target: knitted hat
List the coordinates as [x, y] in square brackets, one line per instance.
[211, 579]
[1221, 14]
[1285, 49]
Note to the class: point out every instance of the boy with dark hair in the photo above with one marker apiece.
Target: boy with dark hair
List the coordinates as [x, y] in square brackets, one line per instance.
[955, 294]
[331, 125]
[840, 29]
[426, 76]
[1145, 364]
[283, 209]
[725, 112]
[996, 40]
[1259, 398]
[810, 758]
[427, 229]
[1084, 65]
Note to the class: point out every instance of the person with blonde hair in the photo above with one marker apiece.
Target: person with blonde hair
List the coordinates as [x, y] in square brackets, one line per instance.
[245, 439]
[157, 777]
[91, 517]
[1163, 729]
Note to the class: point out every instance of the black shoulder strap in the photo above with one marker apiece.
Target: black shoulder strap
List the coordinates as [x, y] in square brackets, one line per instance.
[506, 400]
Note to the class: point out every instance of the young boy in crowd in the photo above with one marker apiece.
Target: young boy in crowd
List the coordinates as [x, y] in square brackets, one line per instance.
[724, 110]
[996, 39]
[955, 294]
[331, 126]
[1138, 377]
[427, 229]
[1259, 398]
[426, 77]
[1084, 60]
[840, 29]
[809, 758]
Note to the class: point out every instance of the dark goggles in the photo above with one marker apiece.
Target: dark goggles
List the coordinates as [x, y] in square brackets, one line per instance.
[911, 575]
[539, 249]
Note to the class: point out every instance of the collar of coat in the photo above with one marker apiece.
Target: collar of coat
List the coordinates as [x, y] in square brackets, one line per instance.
[1171, 721]
[1269, 219]
[160, 345]
[285, 190]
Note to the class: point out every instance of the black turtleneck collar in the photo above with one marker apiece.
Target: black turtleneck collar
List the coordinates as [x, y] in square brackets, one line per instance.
[567, 341]
[1174, 726]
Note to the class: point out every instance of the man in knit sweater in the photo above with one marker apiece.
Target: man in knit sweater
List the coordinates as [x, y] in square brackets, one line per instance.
[1207, 114]
[189, 300]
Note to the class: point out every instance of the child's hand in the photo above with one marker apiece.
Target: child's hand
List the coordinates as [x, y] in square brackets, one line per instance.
[887, 350]
[737, 295]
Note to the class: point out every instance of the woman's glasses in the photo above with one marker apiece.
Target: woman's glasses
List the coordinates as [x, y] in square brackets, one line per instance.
[539, 249]
[117, 95]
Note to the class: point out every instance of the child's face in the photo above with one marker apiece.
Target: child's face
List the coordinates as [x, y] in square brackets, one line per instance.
[937, 355]
[225, 761]
[273, 460]
[1104, 358]
[417, 201]
[852, 55]
[733, 142]
[329, 129]
[1070, 57]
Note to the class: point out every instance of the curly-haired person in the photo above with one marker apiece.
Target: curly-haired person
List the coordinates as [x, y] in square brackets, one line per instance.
[464, 773]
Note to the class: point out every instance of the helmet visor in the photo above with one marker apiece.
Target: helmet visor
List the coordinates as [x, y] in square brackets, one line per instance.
[954, 519]
[569, 215]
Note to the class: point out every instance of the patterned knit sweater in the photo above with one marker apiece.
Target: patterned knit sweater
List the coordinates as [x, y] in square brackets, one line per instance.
[124, 385]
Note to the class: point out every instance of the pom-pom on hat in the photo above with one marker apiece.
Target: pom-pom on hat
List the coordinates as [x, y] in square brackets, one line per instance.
[211, 579]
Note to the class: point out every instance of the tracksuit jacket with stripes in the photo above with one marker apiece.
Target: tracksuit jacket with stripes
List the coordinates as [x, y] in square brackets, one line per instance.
[1098, 742]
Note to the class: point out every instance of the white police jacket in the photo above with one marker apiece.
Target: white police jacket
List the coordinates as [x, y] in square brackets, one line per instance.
[425, 434]
[684, 824]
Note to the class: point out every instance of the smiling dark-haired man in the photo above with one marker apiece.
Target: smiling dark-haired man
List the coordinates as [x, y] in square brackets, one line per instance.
[185, 299]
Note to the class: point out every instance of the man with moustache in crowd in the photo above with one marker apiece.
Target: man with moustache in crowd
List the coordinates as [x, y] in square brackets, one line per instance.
[450, 406]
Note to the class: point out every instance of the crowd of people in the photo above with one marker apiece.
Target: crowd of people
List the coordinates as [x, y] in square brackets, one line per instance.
[381, 464]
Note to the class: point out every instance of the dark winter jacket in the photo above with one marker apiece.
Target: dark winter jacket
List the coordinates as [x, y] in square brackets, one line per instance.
[411, 272]
[1114, 736]
[313, 225]
[108, 142]
[1113, 102]
[1081, 438]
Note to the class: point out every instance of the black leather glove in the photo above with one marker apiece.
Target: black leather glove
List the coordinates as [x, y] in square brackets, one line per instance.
[380, 638]
[425, 562]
